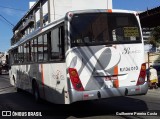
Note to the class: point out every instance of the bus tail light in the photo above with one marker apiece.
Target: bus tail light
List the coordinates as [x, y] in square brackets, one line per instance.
[116, 83]
[142, 75]
[76, 82]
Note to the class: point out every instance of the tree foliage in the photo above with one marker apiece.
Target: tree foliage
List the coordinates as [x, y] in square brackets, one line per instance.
[155, 37]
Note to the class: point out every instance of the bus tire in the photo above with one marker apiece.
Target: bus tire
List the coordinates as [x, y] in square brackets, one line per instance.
[36, 91]
[19, 90]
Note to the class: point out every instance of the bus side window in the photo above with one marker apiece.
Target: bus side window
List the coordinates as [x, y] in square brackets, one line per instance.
[45, 48]
[15, 56]
[57, 43]
[34, 50]
[49, 44]
[61, 42]
[40, 48]
[54, 44]
[27, 52]
[20, 54]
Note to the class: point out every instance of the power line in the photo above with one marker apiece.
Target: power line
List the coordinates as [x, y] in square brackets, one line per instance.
[2, 20]
[12, 8]
[7, 20]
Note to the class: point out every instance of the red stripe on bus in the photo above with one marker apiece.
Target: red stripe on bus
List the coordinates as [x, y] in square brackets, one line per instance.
[116, 70]
[116, 81]
[42, 76]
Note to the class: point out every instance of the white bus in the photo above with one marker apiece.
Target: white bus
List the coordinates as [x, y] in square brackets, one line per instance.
[87, 55]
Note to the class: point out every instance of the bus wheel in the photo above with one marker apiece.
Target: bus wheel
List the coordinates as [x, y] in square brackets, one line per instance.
[36, 92]
[19, 90]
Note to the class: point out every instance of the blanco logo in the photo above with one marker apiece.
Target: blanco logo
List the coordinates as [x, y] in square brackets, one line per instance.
[6, 113]
[126, 51]
[129, 50]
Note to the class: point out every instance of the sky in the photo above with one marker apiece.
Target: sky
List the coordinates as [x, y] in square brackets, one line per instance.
[20, 7]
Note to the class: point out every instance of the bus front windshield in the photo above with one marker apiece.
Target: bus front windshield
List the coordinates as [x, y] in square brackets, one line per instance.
[104, 28]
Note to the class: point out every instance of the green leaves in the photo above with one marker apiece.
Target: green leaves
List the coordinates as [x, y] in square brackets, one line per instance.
[154, 39]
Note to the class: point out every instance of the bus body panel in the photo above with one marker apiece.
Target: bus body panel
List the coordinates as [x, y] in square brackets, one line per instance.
[51, 79]
[54, 78]
[108, 92]
[97, 63]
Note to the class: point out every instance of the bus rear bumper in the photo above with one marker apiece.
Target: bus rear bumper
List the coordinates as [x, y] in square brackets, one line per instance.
[107, 92]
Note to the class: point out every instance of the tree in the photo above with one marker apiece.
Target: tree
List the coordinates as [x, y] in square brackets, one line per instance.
[155, 37]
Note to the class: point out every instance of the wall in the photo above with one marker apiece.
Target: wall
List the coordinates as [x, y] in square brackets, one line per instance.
[58, 8]
[91, 4]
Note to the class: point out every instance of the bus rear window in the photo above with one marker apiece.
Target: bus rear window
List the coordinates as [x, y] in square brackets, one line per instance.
[104, 28]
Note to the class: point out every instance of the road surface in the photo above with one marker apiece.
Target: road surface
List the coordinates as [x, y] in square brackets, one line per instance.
[118, 107]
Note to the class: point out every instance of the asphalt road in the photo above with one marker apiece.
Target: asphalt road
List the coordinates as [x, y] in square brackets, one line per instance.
[23, 102]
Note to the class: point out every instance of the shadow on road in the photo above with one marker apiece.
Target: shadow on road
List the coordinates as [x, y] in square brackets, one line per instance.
[107, 106]
[23, 101]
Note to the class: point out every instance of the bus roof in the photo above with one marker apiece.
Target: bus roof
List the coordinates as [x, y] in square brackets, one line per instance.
[103, 10]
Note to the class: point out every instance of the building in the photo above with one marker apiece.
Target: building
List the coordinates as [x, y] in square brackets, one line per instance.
[1, 55]
[149, 20]
[3, 58]
[44, 12]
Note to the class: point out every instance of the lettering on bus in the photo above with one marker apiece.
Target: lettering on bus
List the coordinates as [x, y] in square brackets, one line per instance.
[128, 50]
[131, 32]
[134, 68]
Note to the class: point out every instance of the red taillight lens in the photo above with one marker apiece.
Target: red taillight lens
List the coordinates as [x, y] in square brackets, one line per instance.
[142, 75]
[76, 82]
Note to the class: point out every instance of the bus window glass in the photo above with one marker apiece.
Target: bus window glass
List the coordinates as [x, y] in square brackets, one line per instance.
[40, 48]
[36, 49]
[102, 29]
[27, 52]
[45, 48]
[55, 43]
[20, 54]
[15, 56]
[33, 50]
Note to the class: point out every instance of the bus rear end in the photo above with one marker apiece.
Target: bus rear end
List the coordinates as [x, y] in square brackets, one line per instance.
[106, 55]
